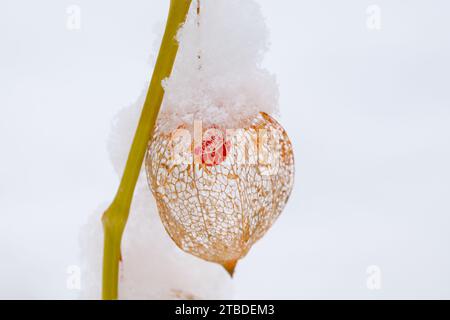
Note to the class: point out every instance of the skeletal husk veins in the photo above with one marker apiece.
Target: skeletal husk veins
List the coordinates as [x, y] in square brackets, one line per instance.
[218, 195]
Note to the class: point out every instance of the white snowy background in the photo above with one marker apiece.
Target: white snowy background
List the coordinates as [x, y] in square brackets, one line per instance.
[368, 112]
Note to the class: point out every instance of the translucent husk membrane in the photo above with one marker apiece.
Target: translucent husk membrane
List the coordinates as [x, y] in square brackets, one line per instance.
[217, 208]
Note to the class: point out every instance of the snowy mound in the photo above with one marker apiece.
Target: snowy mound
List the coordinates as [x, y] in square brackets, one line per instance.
[217, 77]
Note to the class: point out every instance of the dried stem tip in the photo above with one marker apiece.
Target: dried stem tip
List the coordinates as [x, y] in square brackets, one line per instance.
[230, 266]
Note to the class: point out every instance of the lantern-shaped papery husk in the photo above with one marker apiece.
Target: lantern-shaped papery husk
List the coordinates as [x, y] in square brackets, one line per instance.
[217, 209]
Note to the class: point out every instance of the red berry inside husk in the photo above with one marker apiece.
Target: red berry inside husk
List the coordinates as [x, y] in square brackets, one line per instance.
[214, 149]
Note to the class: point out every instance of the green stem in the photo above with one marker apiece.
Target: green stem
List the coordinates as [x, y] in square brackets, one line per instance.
[115, 217]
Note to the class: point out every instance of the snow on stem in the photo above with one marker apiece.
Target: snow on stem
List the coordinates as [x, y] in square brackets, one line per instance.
[115, 217]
